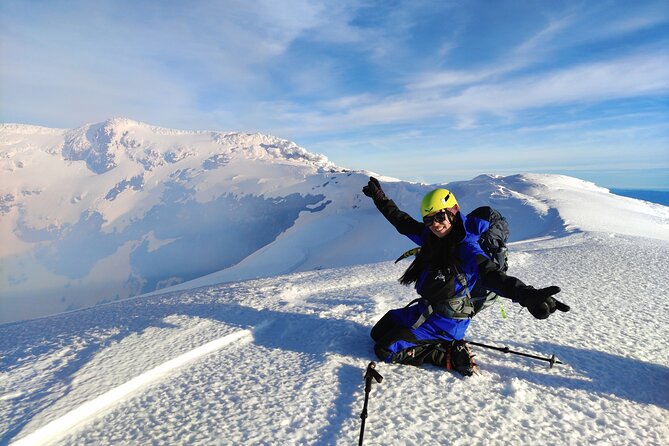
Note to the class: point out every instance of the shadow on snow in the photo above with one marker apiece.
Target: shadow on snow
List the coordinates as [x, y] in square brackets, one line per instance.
[306, 333]
[606, 374]
[310, 334]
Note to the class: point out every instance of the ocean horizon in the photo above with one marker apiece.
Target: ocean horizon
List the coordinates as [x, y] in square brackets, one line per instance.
[654, 196]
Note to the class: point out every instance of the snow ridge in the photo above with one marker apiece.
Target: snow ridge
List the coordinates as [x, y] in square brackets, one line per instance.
[139, 208]
[59, 427]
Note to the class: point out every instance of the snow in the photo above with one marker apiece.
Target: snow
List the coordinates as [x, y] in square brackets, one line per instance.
[112, 210]
[131, 200]
[281, 360]
[272, 348]
[60, 426]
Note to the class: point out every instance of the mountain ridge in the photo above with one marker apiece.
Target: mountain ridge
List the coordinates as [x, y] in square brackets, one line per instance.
[100, 140]
[130, 211]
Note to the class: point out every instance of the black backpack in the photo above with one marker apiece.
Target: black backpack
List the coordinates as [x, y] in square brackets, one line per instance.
[493, 241]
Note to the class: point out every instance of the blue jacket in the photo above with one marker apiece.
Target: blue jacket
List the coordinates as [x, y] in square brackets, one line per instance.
[466, 256]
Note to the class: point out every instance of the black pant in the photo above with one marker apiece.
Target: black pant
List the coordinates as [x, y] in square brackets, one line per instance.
[386, 332]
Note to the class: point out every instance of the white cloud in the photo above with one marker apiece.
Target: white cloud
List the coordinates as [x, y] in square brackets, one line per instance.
[587, 83]
[599, 81]
[641, 16]
[450, 78]
[344, 71]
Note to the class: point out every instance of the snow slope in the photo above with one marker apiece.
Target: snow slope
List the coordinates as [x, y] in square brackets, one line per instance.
[110, 210]
[535, 206]
[281, 361]
[120, 208]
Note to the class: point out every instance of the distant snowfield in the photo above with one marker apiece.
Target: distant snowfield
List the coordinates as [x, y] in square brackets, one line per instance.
[534, 205]
[281, 361]
[121, 208]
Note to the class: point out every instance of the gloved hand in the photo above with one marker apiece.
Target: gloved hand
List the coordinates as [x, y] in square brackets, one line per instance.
[540, 302]
[373, 190]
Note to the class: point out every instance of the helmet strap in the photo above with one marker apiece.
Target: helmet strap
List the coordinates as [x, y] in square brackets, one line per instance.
[452, 212]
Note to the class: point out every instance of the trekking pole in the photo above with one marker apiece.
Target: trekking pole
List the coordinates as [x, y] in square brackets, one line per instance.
[370, 374]
[552, 360]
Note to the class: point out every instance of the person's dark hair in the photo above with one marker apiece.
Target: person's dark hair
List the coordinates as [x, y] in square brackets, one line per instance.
[436, 253]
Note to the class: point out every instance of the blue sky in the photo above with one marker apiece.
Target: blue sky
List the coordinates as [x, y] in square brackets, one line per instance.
[431, 91]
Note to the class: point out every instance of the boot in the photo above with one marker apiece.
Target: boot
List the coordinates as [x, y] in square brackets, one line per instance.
[460, 359]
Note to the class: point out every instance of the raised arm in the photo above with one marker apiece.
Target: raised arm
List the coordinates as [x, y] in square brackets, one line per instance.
[403, 222]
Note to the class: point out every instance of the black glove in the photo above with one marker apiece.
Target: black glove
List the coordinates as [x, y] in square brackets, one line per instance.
[373, 190]
[541, 302]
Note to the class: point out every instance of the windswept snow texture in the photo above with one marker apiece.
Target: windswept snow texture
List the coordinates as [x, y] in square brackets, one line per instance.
[120, 208]
[281, 361]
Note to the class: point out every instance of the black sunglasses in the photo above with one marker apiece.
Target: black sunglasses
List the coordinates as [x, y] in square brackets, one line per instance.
[439, 217]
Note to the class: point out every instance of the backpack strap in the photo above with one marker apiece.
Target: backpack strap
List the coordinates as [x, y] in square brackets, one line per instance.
[426, 314]
[463, 281]
[458, 307]
[468, 307]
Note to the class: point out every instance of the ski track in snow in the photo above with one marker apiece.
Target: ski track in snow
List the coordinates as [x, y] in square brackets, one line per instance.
[58, 427]
[281, 361]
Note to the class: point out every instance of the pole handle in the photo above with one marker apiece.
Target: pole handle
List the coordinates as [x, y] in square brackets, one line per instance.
[371, 375]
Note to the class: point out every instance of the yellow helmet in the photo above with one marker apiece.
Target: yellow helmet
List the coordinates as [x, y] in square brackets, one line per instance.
[437, 200]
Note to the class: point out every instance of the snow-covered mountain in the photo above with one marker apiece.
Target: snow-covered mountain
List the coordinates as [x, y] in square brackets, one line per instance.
[280, 359]
[120, 208]
[115, 209]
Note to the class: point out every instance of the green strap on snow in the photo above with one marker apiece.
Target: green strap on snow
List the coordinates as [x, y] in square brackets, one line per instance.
[501, 307]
